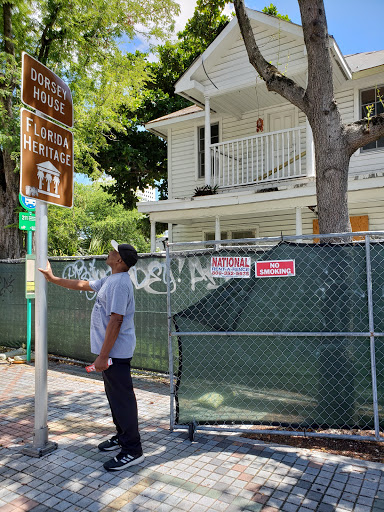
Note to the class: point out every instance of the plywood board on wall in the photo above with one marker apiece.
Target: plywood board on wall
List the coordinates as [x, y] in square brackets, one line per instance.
[358, 223]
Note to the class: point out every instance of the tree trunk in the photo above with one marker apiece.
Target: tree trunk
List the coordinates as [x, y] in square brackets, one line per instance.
[332, 164]
[331, 140]
[11, 238]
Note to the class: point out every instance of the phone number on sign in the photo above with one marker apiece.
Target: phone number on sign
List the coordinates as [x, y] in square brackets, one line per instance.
[233, 273]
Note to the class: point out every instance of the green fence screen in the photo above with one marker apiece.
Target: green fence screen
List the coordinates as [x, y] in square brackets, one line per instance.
[69, 312]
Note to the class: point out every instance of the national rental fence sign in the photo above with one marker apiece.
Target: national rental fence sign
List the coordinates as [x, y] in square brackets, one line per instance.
[231, 267]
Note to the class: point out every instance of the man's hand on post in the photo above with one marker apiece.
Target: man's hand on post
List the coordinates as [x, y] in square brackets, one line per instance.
[47, 273]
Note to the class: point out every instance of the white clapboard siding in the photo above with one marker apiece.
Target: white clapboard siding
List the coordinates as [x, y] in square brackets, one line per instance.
[275, 223]
[183, 164]
[233, 68]
[345, 103]
[348, 102]
[234, 128]
[264, 224]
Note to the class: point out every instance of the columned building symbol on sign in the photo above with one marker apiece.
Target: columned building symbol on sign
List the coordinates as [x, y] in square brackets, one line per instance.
[48, 177]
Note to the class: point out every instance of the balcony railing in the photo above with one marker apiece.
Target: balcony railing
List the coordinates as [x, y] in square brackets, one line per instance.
[262, 158]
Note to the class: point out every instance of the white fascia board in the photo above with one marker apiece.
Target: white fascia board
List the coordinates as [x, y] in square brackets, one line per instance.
[224, 200]
[237, 203]
[184, 82]
[368, 72]
[231, 208]
[168, 122]
[344, 67]
[198, 86]
[162, 134]
[279, 24]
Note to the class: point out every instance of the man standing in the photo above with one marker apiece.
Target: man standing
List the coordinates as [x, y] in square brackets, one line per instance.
[113, 335]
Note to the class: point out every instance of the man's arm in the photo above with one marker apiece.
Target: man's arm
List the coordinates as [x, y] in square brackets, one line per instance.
[111, 334]
[71, 284]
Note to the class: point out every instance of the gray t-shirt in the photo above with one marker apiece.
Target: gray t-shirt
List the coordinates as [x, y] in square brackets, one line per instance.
[114, 295]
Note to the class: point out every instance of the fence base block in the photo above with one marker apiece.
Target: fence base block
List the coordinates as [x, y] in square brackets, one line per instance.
[32, 451]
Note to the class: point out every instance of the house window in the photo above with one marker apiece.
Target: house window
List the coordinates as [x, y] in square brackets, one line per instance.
[211, 236]
[201, 145]
[232, 235]
[243, 234]
[370, 100]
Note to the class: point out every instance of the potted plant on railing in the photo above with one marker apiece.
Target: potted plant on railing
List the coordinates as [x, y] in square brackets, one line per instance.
[207, 190]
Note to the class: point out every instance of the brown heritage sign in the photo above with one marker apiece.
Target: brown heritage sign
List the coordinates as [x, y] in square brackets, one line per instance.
[46, 160]
[42, 90]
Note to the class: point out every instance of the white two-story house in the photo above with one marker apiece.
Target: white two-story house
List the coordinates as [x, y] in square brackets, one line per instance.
[256, 148]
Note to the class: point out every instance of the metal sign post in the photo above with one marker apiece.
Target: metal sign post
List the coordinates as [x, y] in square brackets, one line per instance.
[46, 165]
[41, 445]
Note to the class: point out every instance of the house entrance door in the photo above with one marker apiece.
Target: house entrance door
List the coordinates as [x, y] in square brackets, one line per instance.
[283, 148]
[281, 120]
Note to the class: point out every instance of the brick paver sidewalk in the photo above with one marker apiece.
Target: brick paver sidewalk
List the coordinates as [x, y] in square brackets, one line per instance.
[214, 473]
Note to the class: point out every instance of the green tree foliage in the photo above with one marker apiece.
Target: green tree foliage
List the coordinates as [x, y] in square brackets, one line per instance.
[92, 223]
[272, 11]
[83, 43]
[137, 158]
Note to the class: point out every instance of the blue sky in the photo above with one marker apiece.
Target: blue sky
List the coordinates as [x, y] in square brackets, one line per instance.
[355, 24]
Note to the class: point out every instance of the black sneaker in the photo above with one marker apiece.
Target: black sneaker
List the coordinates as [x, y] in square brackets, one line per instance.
[122, 461]
[111, 444]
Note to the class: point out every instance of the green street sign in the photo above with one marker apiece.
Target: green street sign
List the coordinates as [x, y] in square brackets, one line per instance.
[27, 221]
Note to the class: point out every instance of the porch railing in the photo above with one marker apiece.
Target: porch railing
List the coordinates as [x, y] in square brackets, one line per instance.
[261, 158]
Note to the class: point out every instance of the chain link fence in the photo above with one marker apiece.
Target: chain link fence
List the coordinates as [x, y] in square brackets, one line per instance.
[278, 334]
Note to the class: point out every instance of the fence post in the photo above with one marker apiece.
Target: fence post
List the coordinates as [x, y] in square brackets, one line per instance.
[170, 348]
[372, 337]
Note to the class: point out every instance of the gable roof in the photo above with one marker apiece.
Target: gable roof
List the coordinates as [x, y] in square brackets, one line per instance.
[193, 109]
[228, 35]
[365, 60]
[281, 41]
[228, 50]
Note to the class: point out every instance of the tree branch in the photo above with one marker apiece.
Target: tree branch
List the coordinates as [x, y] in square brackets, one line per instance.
[275, 81]
[364, 131]
[7, 83]
[9, 47]
[316, 40]
[47, 37]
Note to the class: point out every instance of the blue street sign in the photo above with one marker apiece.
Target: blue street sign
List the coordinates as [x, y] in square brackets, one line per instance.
[27, 203]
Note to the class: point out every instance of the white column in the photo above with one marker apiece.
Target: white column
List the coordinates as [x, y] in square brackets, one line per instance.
[170, 234]
[299, 223]
[153, 236]
[217, 228]
[207, 142]
[310, 151]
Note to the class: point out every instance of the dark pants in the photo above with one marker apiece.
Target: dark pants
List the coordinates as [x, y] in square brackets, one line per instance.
[122, 401]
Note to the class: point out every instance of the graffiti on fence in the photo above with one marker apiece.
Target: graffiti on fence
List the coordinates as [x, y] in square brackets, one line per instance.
[80, 270]
[6, 285]
[148, 275]
[152, 277]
